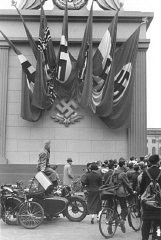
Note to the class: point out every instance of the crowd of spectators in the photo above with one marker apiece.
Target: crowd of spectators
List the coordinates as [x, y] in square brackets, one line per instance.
[131, 176]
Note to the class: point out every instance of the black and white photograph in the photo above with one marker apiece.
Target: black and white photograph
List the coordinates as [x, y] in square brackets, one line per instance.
[80, 120]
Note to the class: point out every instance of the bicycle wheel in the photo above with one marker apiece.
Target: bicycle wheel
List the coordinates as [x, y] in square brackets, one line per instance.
[107, 223]
[134, 218]
[31, 215]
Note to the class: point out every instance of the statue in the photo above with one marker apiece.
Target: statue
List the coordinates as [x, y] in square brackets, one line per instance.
[110, 4]
[72, 4]
[31, 4]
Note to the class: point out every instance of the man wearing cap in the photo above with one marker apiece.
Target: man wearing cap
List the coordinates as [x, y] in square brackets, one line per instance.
[120, 178]
[67, 174]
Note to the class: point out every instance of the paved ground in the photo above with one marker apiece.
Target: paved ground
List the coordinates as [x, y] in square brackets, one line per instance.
[61, 228]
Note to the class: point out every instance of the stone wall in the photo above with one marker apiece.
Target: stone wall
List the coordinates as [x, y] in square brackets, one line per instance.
[85, 141]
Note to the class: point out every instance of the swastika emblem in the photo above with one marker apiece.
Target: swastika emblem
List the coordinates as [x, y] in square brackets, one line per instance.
[67, 112]
[66, 108]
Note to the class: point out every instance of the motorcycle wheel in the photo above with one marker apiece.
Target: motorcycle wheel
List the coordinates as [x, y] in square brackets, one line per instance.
[31, 215]
[76, 209]
[8, 215]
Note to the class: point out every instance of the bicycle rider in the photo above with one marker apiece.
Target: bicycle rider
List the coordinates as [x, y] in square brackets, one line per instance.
[124, 189]
[44, 165]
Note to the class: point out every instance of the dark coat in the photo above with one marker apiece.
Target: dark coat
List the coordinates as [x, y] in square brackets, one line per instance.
[93, 181]
[150, 212]
[120, 178]
[154, 171]
[108, 174]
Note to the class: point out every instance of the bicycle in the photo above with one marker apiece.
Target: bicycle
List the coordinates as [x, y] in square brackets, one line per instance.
[19, 209]
[110, 218]
[134, 215]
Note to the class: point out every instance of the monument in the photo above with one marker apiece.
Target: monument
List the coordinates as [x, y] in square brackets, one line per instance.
[74, 131]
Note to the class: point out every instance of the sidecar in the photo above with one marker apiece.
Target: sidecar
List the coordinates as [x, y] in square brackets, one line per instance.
[38, 203]
[60, 201]
[52, 205]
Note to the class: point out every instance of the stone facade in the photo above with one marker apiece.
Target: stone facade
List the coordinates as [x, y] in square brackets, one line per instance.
[85, 141]
[154, 141]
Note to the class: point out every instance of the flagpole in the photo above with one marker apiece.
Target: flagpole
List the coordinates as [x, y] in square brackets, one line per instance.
[14, 3]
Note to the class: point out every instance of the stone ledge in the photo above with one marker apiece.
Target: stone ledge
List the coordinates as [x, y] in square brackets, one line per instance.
[77, 16]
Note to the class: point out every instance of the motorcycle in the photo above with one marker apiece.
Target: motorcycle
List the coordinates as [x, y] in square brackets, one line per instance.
[31, 207]
[76, 209]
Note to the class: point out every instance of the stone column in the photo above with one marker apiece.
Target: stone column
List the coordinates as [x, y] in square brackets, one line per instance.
[4, 56]
[137, 133]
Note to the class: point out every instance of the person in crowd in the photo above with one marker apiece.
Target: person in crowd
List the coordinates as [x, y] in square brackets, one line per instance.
[68, 173]
[120, 179]
[93, 181]
[150, 214]
[99, 165]
[142, 167]
[130, 165]
[104, 169]
[106, 163]
[132, 158]
[134, 177]
[134, 184]
[130, 171]
[43, 161]
[54, 167]
[44, 157]
[88, 167]
[45, 167]
[86, 171]
[111, 167]
[143, 159]
[83, 177]
[109, 198]
[116, 162]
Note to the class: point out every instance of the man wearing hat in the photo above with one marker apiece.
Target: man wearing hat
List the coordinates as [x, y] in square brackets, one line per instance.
[44, 164]
[68, 174]
[44, 157]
